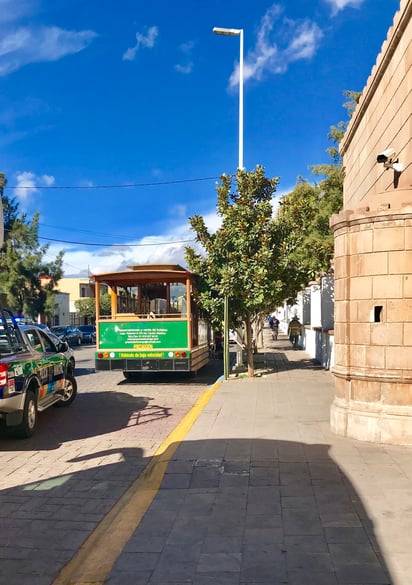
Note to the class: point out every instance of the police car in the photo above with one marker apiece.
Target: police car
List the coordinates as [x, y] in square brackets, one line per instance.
[35, 373]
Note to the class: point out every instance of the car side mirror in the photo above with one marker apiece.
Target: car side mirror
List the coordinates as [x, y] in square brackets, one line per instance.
[63, 347]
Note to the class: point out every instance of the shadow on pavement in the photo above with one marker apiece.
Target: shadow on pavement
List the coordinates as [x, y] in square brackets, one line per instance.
[228, 511]
[92, 414]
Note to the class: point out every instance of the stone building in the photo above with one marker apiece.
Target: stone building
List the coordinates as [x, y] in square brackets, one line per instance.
[373, 253]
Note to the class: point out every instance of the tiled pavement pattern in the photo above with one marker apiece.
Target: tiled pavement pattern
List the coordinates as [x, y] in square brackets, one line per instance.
[261, 492]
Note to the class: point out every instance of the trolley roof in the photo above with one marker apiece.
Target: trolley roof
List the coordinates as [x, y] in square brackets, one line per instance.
[145, 273]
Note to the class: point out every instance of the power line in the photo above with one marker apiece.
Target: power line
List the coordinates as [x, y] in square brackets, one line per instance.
[124, 186]
[118, 245]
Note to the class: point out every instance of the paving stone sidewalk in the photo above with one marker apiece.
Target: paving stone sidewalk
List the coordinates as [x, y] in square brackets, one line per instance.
[262, 492]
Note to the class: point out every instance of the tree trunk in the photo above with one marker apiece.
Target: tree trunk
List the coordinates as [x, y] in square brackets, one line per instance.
[249, 348]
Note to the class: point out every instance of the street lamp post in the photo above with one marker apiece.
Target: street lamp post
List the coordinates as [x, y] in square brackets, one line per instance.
[237, 32]
[232, 32]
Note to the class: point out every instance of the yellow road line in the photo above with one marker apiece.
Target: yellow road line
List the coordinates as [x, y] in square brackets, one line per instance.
[97, 555]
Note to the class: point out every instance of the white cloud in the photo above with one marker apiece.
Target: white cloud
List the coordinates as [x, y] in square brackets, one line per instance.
[48, 180]
[146, 41]
[164, 248]
[28, 183]
[278, 46]
[338, 5]
[12, 10]
[185, 69]
[32, 45]
[187, 66]
[21, 44]
[178, 211]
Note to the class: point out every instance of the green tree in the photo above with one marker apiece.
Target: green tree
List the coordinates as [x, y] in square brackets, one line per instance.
[87, 307]
[240, 258]
[27, 280]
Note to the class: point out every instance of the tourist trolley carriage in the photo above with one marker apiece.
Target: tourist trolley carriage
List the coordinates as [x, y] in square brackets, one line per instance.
[154, 323]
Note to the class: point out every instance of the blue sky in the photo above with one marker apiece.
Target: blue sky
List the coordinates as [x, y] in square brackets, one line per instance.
[108, 93]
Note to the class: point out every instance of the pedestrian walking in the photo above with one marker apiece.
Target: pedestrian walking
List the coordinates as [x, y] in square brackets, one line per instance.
[275, 329]
[294, 331]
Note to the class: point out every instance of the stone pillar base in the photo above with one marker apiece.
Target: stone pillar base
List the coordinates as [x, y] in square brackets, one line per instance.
[372, 422]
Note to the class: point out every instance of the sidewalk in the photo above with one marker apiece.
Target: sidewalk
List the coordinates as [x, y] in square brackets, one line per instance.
[260, 491]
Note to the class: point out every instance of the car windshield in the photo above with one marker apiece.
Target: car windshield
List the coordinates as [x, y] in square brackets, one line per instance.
[58, 330]
[87, 328]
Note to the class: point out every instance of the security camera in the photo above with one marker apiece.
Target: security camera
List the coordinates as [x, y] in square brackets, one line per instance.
[387, 155]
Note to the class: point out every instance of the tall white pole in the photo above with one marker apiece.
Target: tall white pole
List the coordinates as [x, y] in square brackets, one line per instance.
[241, 100]
[232, 32]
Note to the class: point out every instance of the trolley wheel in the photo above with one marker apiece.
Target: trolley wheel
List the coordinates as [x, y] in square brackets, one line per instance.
[131, 375]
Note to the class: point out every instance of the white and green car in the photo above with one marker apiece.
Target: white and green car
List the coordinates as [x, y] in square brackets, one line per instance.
[35, 373]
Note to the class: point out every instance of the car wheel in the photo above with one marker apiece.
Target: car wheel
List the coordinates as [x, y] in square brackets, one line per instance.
[26, 428]
[69, 391]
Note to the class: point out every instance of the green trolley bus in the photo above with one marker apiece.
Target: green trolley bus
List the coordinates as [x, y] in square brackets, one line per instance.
[154, 323]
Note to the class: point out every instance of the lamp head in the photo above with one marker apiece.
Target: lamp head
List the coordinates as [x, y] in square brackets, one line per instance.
[230, 32]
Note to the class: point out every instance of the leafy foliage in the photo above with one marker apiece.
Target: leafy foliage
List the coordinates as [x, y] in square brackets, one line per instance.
[239, 259]
[87, 307]
[26, 279]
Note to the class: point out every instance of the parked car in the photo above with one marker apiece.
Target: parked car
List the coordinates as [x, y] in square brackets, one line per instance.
[43, 326]
[89, 333]
[34, 374]
[68, 333]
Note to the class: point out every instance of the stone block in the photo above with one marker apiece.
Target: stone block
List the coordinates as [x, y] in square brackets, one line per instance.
[400, 262]
[361, 242]
[374, 263]
[399, 310]
[341, 390]
[407, 334]
[340, 335]
[398, 358]
[387, 333]
[363, 391]
[389, 239]
[407, 286]
[342, 288]
[359, 333]
[357, 356]
[396, 394]
[375, 357]
[340, 265]
[387, 286]
[342, 311]
[340, 246]
[408, 238]
[340, 353]
[360, 288]
[365, 310]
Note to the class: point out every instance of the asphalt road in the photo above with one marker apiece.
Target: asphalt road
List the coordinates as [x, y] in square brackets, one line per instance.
[58, 485]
